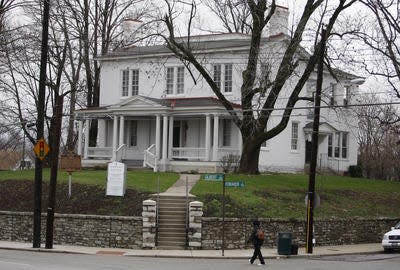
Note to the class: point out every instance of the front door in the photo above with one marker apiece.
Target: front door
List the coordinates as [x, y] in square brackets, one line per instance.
[176, 141]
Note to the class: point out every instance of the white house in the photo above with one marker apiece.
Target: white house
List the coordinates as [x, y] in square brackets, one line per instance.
[153, 112]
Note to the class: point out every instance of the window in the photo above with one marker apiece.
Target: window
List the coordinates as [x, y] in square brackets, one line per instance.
[135, 82]
[346, 100]
[295, 136]
[228, 78]
[337, 144]
[333, 94]
[125, 83]
[217, 75]
[180, 80]
[170, 81]
[344, 144]
[330, 145]
[226, 139]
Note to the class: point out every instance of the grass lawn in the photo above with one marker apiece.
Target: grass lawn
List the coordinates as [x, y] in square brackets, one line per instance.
[283, 196]
[140, 180]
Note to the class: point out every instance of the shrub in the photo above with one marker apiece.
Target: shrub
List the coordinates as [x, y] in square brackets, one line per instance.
[355, 171]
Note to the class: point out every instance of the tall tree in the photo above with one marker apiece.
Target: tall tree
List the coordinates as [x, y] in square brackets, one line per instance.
[253, 122]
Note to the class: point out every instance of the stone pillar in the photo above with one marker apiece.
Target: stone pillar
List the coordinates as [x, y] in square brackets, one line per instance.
[86, 146]
[194, 234]
[80, 131]
[215, 138]
[149, 224]
[208, 137]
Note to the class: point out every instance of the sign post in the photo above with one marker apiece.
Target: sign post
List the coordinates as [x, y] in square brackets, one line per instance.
[70, 163]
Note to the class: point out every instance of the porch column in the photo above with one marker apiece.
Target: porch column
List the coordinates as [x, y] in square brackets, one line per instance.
[121, 130]
[170, 136]
[85, 150]
[115, 137]
[80, 129]
[215, 138]
[240, 141]
[101, 133]
[158, 135]
[208, 137]
[165, 138]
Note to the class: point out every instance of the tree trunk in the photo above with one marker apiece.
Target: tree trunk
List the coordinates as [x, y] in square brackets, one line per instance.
[250, 157]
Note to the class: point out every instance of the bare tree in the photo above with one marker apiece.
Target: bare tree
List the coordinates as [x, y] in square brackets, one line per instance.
[251, 123]
[383, 38]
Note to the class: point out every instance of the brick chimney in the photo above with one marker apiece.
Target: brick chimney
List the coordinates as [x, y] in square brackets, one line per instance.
[279, 22]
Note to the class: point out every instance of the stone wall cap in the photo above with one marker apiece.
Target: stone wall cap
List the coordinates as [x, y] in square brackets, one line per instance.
[196, 204]
[149, 202]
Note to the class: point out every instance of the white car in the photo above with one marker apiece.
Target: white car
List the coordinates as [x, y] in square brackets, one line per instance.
[391, 240]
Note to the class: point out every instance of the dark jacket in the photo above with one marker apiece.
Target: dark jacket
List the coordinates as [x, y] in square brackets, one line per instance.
[253, 237]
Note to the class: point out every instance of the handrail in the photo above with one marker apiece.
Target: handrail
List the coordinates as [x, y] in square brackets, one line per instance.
[120, 152]
[150, 157]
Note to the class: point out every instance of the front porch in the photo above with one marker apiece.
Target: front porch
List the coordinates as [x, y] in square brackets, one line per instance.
[166, 141]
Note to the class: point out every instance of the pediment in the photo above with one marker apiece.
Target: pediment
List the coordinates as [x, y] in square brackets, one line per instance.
[137, 102]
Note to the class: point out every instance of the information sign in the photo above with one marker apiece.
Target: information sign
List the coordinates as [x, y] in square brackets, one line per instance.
[116, 179]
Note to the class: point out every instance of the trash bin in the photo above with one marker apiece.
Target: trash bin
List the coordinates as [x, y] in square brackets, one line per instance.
[284, 243]
[295, 249]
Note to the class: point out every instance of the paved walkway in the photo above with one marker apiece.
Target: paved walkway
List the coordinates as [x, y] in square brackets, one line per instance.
[268, 253]
[179, 188]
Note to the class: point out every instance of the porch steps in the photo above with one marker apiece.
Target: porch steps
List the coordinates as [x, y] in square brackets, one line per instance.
[133, 163]
[171, 222]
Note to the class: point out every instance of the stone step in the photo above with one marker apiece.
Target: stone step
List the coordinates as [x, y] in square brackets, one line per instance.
[172, 212]
[172, 238]
[133, 163]
[176, 244]
[171, 220]
[168, 225]
[166, 246]
[171, 229]
[172, 206]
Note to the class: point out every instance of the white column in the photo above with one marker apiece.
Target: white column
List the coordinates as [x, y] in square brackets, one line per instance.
[80, 129]
[85, 150]
[170, 136]
[165, 138]
[115, 137]
[240, 141]
[215, 138]
[101, 133]
[121, 130]
[208, 137]
[158, 136]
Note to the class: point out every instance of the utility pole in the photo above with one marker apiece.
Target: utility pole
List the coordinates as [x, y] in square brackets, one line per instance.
[37, 212]
[314, 147]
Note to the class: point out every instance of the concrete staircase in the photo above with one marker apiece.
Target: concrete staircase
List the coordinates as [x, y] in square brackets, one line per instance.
[172, 222]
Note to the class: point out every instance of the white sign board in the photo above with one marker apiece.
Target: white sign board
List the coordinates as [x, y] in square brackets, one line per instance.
[116, 179]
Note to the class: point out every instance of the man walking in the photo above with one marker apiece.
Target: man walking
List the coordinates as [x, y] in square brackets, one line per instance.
[257, 238]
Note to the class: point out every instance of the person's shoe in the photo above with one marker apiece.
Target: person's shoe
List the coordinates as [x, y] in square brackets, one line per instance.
[261, 264]
[250, 261]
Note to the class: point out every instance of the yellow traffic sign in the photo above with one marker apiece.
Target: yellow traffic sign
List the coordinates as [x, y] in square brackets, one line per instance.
[41, 149]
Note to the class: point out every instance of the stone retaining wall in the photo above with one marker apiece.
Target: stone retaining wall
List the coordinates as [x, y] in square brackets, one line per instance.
[327, 232]
[81, 230]
[127, 232]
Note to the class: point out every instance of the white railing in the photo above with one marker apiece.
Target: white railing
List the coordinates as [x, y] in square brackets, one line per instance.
[100, 152]
[227, 151]
[120, 153]
[150, 157]
[188, 153]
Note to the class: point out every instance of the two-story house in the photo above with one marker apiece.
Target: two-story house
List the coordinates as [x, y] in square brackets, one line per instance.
[154, 112]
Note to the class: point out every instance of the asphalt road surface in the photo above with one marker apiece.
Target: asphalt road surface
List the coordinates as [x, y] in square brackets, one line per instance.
[21, 260]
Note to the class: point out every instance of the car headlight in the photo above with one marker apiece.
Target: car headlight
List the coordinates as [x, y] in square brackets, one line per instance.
[385, 237]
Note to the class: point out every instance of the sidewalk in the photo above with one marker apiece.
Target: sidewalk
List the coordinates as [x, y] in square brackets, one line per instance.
[208, 254]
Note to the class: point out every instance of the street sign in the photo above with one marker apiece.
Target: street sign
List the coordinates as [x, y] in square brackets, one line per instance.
[41, 149]
[234, 184]
[213, 177]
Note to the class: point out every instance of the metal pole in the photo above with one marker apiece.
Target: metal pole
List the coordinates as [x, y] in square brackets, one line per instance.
[223, 215]
[314, 148]
[157, 208]
[187, 212]
[40, 125]
[69, 185]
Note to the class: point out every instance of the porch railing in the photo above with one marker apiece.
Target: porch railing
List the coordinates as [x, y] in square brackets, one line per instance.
[150, 157]
[227, 151]
[120, 153]
[100, 152]
[188, 153]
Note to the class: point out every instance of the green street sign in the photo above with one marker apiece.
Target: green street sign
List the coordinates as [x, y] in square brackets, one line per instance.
[235, 184]
[213, 177]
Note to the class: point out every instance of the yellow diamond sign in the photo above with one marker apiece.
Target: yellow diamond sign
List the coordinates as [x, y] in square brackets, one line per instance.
[41, 149]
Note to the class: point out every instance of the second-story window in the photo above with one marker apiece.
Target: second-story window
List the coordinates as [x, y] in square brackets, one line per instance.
[130, 82]
[217, 75]
[330, 145]
[180, 80]
[228, 78]
[333, 94]
[346, 100]
[125, 83]
[135, 82]
[175, 80]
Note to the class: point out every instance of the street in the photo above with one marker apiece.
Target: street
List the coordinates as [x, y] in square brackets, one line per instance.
[21, 260]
